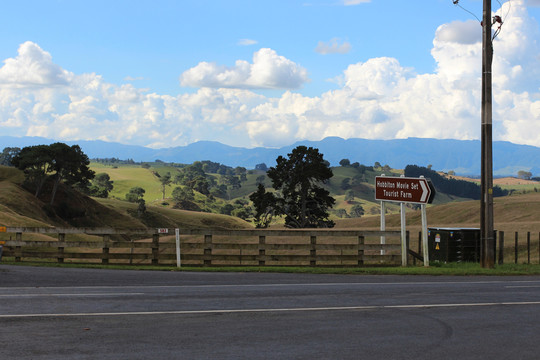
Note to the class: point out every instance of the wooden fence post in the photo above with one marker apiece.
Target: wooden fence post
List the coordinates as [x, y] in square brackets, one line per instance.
[18, 250]
[105, 251]
[420, 243]
[516, 249]
[207, 250]
[528, 247]
[419, 246]
[501, 247]
[407, 244]
[61, 238]
[131, 251]
[262, 250]
[313, 251]
[360, 250]
[155, 249]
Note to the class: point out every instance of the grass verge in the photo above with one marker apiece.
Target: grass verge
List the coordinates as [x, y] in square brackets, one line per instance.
[451, 269]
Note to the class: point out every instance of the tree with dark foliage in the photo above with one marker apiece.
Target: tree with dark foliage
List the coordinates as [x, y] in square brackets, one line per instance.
[70, 164]
[37, 163]
[57, 161]
[300, 196]
[165, 180]
[264, 203]
[101, 185]
[135, 195]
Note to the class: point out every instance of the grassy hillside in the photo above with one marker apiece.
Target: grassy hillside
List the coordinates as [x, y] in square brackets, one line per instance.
[18, 207]
[358, 180]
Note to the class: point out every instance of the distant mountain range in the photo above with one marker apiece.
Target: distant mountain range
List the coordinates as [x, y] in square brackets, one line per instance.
[461, 156]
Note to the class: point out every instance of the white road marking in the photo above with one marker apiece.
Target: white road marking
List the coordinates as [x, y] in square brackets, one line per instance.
[237, 311]
[523, 286]
[67, 295]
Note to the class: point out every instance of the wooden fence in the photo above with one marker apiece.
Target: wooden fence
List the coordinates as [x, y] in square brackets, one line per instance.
[204, 247]
[521, 249]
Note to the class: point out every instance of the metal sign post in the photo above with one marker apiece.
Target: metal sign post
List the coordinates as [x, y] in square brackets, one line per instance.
[404, 252]
[383, 225]
[178, 261]
[425, 247]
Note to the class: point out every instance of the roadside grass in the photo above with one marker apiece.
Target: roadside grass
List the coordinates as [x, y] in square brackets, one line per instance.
[450, 269]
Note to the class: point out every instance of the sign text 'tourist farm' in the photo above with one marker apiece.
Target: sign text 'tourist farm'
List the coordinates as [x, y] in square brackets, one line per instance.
[404, 189]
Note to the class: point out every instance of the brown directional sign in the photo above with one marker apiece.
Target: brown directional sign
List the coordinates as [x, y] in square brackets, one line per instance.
[404, 189]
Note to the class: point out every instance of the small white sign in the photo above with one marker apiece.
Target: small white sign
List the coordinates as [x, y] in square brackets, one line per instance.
[163, 231]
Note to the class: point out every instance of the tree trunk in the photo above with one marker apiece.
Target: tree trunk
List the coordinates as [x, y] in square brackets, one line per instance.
[39, 186]
[57, 180]
[303, 200]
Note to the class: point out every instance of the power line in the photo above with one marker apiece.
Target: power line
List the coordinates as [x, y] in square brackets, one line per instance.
[456, 2]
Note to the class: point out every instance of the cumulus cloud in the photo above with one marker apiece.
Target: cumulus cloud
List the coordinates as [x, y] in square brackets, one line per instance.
[468, 32]
[268, 71]
[333, 47]
[32, 67]
[378, 98]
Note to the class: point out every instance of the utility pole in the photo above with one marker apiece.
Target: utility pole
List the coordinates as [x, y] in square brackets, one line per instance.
[486, 203]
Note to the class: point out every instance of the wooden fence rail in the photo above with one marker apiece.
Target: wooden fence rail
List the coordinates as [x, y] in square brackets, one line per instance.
[203, 247]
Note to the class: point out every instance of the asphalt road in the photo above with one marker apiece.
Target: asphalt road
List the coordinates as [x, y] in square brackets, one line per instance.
[51, 313]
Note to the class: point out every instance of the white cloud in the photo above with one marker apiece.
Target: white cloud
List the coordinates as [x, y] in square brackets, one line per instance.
[247, 42]
[268, 71]
[333, 47]
[468, 32]
[32, 67]
[354, 2]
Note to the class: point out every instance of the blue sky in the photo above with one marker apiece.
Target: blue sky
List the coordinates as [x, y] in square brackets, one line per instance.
[263, 73]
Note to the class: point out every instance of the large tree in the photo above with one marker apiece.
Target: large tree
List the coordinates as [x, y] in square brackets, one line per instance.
[70, 164]
[37, 163]
[264, 203]
[165, 180]
[59, 161]
[101, 185]
[136, 195]
[300, 196]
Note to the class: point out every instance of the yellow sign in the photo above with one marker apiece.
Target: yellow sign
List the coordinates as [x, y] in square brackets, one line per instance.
[437, 247]
[3, 229]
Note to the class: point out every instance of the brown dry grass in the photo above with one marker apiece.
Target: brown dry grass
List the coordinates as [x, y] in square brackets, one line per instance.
[504, 181]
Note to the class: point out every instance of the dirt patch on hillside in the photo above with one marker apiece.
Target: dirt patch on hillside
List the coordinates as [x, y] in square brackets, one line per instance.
[513, 181]
[497, 181]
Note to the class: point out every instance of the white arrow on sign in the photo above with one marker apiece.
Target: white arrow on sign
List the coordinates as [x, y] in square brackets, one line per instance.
[425, 191]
